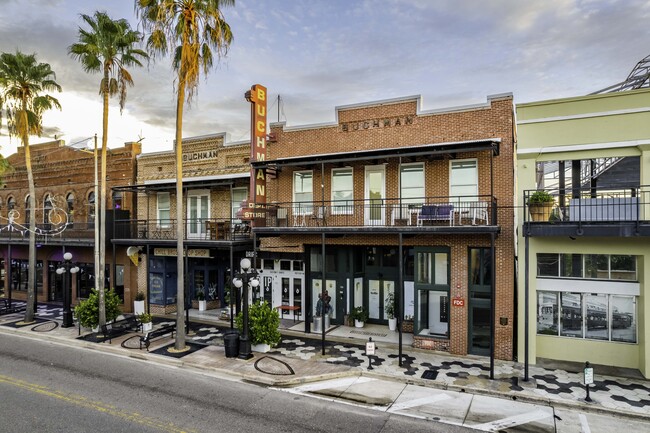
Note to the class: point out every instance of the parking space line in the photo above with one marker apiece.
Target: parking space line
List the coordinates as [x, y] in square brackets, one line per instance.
[512, 421]
[584, 424]
[418, 402]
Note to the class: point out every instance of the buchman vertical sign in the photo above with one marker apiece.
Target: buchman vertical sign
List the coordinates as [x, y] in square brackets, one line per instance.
[257, 197]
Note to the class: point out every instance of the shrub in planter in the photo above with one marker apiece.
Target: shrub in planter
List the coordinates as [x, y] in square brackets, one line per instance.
[359, 313]
[145, 318]
[87, 311]
[540, 205]
[200, 296]
[140, 296]
[263, 324]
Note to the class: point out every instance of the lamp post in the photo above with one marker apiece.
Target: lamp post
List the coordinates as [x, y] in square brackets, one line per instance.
[244, 278]
[67, 269]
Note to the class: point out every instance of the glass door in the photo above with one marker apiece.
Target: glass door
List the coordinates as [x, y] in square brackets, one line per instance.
[198, 212]
[375, 195]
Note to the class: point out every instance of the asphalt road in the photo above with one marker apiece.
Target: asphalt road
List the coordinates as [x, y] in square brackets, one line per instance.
[47, 387]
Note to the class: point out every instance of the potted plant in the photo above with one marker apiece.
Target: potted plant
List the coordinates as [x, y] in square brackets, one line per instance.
[138, 303]
[263, 324]
[200, 296]
[540, 205]
[360, 315]
[389, 309]
[87, 311]
[147, 322]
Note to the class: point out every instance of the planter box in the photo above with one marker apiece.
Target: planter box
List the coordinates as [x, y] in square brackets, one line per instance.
[540, 212]
[262, 348]
[392, 324]
[358, 324]
[407, 326]
[138, 307]
[146, 327]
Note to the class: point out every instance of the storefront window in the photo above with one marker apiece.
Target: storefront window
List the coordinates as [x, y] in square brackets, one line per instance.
[588, 266]
[547, 312]
[19, 275]
[119, 281]
[547, 265]
[571, 320]
[623, 318]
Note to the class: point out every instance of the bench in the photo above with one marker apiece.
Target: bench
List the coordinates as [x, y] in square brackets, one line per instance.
[157, 333]
[7, 308]
[289, 308]
[433, 212]
[119, 327]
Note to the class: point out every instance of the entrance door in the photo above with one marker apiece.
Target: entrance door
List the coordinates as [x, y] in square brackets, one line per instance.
[378, 291]
[375, 194]
[203, 278]
[480, 294]
[198, 212]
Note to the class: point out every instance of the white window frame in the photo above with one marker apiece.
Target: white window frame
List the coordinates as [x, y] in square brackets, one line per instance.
[235, 204]
[160, 220]
[466, 197]
[344, 206]
[306, 208]
[420, 198]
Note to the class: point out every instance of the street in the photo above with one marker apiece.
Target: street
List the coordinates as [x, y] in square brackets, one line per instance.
[48, 387]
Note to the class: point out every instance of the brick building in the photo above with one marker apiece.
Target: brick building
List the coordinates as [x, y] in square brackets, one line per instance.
[393, 199]
[65, 216]
[215, 181]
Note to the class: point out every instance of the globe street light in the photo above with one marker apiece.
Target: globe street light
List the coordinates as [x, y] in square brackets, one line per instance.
[246, 277]
[67, 269]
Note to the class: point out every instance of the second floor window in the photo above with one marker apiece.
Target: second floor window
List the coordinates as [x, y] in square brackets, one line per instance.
[238, 196]
[464, 179]
[342, 191]
[70, 202]
[28, 211]
[117, 200]
[91, 208]
[303, 191]
[164, 210]
[411, 183]
[47, 207]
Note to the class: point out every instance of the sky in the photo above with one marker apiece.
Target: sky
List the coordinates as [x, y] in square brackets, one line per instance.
[319, 54]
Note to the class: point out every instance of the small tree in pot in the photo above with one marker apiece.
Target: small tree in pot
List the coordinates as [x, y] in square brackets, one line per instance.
[389, 309]
[87, 311]
[263, 322]
[360, 315]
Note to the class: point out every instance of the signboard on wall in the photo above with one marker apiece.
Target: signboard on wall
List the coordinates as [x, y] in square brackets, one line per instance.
[257, 198]
[171, 252]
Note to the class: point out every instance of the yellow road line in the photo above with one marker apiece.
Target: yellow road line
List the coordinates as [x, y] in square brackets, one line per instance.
[99, 407]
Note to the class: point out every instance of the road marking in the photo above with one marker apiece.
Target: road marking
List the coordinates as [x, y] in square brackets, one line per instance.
[335, 383]
[512, 421]
[88, 404]
[584, 424]
[418, 402]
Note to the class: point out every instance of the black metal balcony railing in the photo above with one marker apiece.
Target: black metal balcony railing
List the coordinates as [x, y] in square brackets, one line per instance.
[590, 205]
[193, 229]
[77, 230]
[424, 211]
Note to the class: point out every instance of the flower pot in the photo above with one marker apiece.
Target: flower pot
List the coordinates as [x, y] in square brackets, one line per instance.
[262, 348]
[138, 307]
[540, 212]
[146, 327]
[358, 324]
[392, 324]
[203, 305]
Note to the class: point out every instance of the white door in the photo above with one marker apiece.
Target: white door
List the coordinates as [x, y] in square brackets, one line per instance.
[198, 212]
[375, 193]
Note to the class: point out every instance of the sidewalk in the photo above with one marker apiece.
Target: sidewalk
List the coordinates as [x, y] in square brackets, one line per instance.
[298, 361]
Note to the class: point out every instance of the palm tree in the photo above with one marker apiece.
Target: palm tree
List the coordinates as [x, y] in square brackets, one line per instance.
[109, 48]
[23, 82]
[191, 30]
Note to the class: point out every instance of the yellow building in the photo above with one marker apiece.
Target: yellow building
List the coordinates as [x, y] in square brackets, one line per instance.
[582, 264]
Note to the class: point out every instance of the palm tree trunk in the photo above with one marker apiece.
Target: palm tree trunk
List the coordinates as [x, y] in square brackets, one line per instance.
[31, 273]
[102, 208]
[180, 226]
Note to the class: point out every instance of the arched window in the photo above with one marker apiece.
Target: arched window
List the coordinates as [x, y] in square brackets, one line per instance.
[91, 208]
[70, 201]
[28, 210]
[11, 203]
[47, 207]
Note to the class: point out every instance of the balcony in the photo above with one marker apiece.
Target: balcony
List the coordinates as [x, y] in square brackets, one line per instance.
[590, 211]
[427, 214]
[200, 230]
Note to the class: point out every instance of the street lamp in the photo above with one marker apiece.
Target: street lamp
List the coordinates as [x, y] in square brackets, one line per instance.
[67, 269]
[246, 277]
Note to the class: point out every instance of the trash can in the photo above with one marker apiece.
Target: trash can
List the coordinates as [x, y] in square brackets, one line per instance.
[231, 343]
[318, 324]
[326, 322]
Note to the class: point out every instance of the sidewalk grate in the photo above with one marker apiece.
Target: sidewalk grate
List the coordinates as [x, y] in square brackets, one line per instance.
[430, 374]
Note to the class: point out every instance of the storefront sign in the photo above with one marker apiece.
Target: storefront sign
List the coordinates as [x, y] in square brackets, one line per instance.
[370, 348]
[458, 302]
[171, 252]
[257, 97]
[376, 123]
[197, 156]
